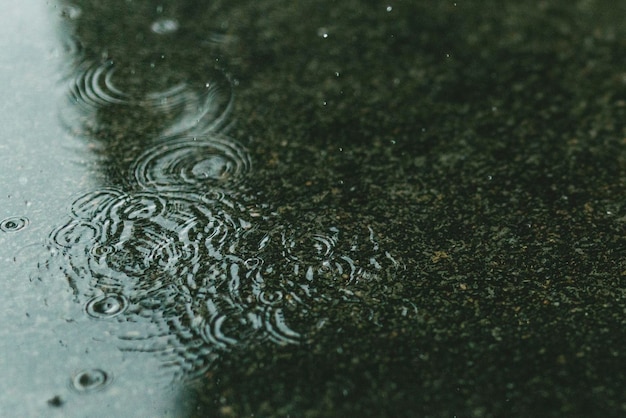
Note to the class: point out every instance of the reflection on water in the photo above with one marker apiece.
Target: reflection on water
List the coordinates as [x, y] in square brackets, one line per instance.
[177, 243]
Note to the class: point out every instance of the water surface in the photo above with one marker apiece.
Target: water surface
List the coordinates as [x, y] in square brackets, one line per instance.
[320, 209]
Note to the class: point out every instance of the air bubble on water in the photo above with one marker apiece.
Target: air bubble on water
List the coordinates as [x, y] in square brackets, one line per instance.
[102, 250]
[90, 380]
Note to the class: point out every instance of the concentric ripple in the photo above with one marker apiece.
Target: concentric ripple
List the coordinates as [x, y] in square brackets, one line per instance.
[90, 205]
[138, 243]
[214, 328]
[94, 87]
[179, 105]
[106, 306]
[14, 224]
[315, 255]
[192, 162]
[200, 273]
[75, 234]
[278, 329]
[309, 247]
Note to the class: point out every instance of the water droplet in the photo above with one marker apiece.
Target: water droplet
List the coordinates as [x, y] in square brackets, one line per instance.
[90, 380]
[322, 32]
[164, 26]
[14, 224]
[192, 162]
[106, 306]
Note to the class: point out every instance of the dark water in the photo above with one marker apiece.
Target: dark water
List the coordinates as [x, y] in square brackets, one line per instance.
[316, 209]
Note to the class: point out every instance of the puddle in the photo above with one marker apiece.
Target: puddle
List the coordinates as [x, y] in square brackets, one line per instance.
[247, 209]
[171, 262]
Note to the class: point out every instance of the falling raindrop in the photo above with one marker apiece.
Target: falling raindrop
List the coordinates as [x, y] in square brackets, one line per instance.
[322, 32]
[164, 26]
